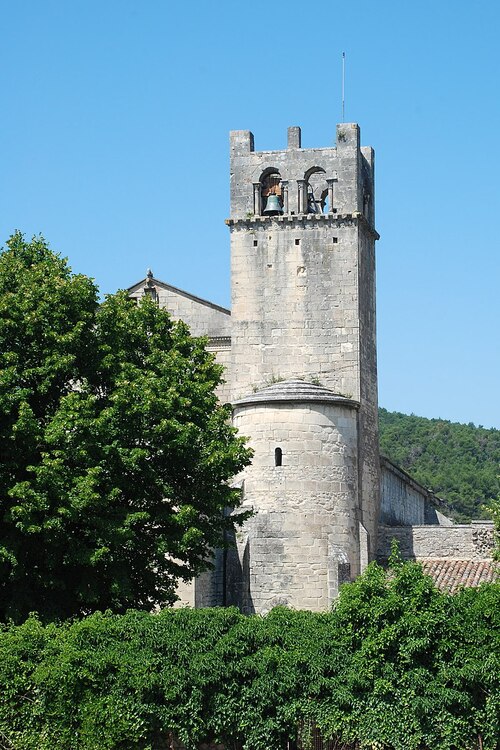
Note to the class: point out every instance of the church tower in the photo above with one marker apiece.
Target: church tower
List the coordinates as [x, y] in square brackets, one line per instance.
[303, 368]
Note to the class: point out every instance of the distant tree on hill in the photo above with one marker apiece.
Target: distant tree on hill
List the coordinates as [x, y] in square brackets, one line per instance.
[115, 455]
[458, 462]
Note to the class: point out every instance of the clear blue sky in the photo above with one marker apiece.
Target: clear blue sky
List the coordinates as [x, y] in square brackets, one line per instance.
[114, 145]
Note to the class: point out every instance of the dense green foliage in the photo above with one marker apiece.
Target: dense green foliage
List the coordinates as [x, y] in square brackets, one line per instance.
[397, 665]
[493, 510]
[114, 453]
[458, 462]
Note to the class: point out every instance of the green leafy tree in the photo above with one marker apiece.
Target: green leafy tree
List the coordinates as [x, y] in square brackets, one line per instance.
[115, 453]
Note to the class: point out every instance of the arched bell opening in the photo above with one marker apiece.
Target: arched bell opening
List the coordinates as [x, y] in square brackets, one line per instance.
[316, 190]
[271, 192]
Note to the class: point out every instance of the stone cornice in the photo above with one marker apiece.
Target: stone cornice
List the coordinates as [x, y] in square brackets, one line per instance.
[219, 342]
[297, 392]
[333, 219]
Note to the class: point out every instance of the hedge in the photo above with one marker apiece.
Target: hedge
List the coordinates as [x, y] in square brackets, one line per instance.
[397, 665]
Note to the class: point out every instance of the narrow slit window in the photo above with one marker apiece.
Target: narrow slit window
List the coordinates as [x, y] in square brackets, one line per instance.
[255, 243]
[278, 457]
[297, 242]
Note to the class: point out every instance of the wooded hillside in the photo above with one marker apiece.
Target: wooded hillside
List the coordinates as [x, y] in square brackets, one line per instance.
[458, 462]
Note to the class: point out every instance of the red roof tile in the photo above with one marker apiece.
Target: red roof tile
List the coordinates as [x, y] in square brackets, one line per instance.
[450, 575]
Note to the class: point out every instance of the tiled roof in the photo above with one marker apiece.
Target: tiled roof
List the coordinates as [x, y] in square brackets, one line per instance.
[450, 575]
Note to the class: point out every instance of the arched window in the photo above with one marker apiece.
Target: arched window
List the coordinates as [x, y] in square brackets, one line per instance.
[278, 457]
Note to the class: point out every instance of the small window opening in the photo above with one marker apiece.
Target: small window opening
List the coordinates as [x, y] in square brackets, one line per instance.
[297, 242]
[255, 243]
[278, 457]
[335, 240]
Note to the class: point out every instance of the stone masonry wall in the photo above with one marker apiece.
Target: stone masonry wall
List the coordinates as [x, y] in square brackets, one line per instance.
[402, 504]
[295, 303]
[304, 523]
[369, 457]
[462, 542]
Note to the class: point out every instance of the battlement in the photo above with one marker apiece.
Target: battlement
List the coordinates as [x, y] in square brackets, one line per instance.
[295, 180]
[348, 136]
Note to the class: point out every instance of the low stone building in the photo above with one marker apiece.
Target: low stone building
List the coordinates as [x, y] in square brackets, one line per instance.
[299, 352]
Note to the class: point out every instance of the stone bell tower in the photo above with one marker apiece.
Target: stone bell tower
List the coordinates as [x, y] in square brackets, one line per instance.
[303, 367]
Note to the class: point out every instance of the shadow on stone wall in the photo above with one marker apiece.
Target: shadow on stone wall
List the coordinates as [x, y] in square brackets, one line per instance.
[237, 577]
[404, 537]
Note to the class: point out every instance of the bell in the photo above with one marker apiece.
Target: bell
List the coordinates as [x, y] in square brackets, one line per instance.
[273, 206]
[312, 205]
